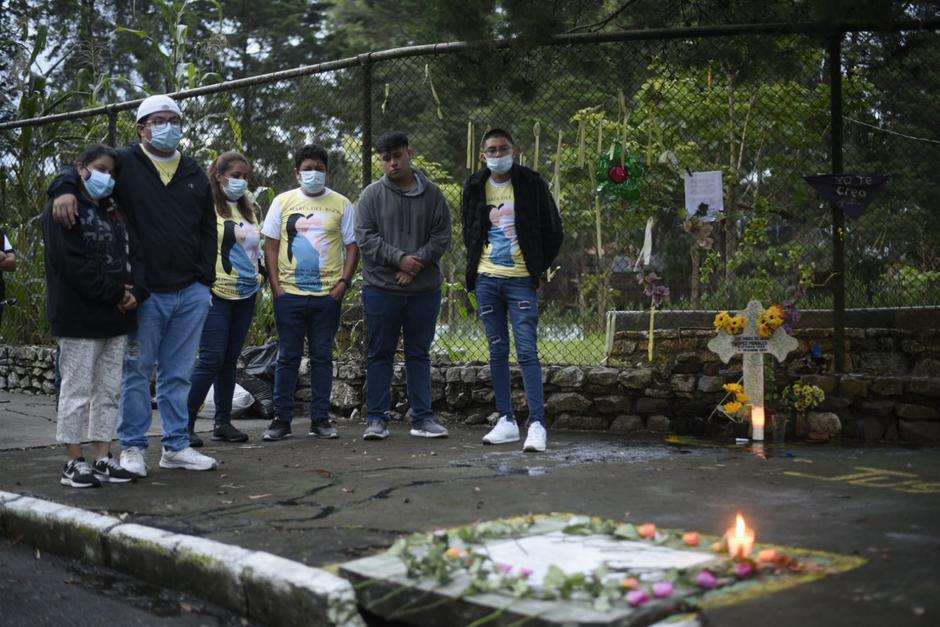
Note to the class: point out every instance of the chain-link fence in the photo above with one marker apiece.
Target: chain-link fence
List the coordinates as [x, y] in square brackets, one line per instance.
[754, 105]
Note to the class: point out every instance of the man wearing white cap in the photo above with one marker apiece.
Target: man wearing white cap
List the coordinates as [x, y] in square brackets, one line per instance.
[167, 197]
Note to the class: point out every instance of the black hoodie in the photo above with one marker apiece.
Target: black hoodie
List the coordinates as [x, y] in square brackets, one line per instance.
[174, 223]
[87, 267]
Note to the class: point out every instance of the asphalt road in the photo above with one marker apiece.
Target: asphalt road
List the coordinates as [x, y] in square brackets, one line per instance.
[324, 502]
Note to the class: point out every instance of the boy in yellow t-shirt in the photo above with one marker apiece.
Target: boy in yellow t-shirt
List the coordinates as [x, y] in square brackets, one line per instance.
[311, 255]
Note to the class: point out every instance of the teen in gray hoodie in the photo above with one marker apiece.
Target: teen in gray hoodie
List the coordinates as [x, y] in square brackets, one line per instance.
[403, 228]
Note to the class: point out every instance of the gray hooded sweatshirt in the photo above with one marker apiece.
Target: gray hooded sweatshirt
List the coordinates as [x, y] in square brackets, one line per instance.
[391, 223]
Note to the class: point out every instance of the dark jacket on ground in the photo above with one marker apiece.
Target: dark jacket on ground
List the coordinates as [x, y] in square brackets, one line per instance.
[538, 224]
[87, 267]
[174, 223]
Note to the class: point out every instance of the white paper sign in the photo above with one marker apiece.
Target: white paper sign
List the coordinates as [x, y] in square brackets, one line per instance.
[574, 554]
[704, 188]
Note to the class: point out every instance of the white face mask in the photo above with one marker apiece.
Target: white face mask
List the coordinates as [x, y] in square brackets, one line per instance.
[499, 165]
[312, 181]
[235, 188]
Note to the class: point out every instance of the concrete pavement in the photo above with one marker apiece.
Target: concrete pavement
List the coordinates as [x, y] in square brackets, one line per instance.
[322, 502]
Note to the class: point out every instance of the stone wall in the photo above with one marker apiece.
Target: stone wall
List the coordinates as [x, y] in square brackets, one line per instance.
[894, 393]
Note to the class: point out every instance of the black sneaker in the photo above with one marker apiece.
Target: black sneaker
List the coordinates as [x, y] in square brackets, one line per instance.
[194, 440]
[227, 433]
[107, 470]
[78, 474]
[323, 429]
[277, 430]
[375, 430]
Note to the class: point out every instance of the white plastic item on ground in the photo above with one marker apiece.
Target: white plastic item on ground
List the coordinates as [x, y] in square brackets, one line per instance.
[241, 401]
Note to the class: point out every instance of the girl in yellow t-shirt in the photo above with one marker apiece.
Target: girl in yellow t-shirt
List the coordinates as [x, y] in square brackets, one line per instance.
[237, 279]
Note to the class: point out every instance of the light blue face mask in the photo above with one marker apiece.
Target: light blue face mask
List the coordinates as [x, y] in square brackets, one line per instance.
[166, 138]
[499, 165]
[312, 181]
[98, 184]
[235, 188]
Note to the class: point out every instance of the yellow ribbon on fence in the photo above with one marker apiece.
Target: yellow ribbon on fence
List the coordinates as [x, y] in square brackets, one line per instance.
[437, 101]
[537, 131]
[556, 180]
[649, 344]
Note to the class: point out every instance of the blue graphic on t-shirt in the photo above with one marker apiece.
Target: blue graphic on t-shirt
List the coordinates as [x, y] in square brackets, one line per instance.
[501, 248]
[247, 282]
[307, 272]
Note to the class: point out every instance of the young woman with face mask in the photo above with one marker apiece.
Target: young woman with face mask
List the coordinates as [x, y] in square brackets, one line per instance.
[237, 279]
[95, 281]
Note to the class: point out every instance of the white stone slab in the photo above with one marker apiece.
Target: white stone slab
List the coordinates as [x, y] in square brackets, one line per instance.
[584, 554]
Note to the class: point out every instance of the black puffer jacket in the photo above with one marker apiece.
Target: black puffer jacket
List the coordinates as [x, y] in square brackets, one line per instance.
[538, 224]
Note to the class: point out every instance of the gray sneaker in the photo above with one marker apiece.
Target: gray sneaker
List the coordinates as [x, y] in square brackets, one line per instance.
[428, 428]
[323, 429]
[375, 430]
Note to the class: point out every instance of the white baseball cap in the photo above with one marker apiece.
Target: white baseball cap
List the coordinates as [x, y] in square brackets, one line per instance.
[153, 104]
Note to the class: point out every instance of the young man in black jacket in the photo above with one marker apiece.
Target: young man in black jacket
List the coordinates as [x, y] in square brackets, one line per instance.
[168, 202]
[513, 232]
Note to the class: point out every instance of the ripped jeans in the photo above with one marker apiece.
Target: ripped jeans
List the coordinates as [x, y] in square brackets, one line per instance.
[501, 301]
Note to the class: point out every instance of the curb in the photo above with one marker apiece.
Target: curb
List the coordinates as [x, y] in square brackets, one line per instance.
[256, 584]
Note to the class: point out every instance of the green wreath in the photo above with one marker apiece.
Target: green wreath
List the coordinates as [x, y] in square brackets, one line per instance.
[619, 177]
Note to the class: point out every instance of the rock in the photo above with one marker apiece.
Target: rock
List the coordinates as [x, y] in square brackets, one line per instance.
[919, 431]
[437, 375]
[880, 408]
[835, 402]
[869, 430]
[468, 374]
[569, 377]
[559, 402]
[687, 363]
[819, 422]
[657, 393]
[636, 379]
[887, 386]
[457, 395]
[581, 423]
[853, 386]
[476, 418]
[711, 369]
[602, 377]
[826, 383]
[303, 371]
[398, 374]
[692, 408]
[883, 363]
[353, 371]
[626, 424]
[438, 391]
[645, 405]
[482, 395]
[520, 406]
[483, 375]
[612, 404]
[452, 374]
[709, 384]
[683, 382]
[345, 396]
[909, 411]
[927, 367]
[658, 424]
[926, 386]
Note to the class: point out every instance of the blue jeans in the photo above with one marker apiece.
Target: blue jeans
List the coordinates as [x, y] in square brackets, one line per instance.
[168, 328]
[317, 319]
[388, 316]
[223, 335]
[515, 298]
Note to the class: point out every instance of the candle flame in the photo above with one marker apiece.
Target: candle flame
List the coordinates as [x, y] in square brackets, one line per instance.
[740, 529]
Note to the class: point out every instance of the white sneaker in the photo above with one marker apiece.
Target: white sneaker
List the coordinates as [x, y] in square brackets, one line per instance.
[187, 459]
[132, 460]
[506, 430]
[535, 441]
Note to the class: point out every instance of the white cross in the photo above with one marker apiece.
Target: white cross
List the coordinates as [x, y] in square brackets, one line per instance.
[752, 346]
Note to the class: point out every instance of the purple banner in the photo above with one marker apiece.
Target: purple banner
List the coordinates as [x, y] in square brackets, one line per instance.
[850, 192]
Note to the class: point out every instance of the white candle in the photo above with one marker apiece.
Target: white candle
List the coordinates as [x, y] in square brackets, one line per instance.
[757, 424]
[740, 540]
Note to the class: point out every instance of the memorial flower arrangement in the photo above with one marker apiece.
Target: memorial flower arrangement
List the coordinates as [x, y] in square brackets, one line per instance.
[445, 555]
[732, 325]
[801, 398]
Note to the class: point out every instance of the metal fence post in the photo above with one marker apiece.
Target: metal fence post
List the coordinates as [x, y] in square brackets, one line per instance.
[112, 127]
[838, 218]
[366, 64]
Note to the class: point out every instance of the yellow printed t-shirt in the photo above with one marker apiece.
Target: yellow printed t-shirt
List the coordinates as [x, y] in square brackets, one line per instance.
[502, 256]
[313, 233]
[166, 166]
[236, 265]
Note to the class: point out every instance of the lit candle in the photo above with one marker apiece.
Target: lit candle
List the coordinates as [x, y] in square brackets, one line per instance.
[740, 540]
[757, 424]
